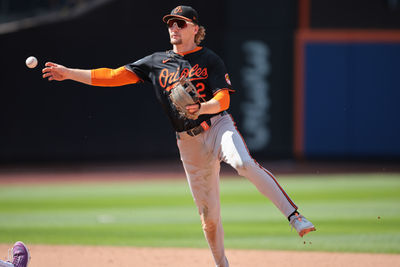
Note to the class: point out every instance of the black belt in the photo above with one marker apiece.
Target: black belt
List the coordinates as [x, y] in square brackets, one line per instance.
[204, 126]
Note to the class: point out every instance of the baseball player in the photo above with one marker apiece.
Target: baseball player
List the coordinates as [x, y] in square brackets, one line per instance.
[206, 133]
[21, 256]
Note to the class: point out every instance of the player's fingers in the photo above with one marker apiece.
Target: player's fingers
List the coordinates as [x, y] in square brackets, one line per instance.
[195, 106]
[50, 64]
[192, 108]
[47, 74]
[46, 70]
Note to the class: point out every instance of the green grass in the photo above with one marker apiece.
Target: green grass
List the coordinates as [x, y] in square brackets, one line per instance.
[344, 208]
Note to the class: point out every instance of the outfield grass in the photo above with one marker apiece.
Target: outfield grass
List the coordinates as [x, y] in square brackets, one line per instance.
[345, 210]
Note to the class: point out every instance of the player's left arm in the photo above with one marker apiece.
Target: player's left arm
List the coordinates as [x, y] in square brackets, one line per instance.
[218, 103]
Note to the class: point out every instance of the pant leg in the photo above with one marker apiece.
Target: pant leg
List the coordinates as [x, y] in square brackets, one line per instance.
[202, 172]
[234, 152]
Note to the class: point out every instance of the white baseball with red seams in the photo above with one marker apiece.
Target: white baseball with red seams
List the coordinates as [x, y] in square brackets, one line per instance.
[31, 62]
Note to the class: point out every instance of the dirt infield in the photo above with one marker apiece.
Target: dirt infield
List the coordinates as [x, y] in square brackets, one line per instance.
[172, 169]
[86, 256]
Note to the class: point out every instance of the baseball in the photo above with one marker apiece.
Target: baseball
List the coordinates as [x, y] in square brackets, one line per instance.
[31, 62]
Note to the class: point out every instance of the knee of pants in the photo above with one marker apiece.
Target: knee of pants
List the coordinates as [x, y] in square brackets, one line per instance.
[209, 225]
[243, 166]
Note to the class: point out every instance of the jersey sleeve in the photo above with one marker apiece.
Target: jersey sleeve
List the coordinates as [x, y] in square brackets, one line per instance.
[113, 77]
[218, 76]
[142, 68]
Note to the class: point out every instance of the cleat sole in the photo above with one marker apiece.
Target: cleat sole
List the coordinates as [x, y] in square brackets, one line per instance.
[306, 231]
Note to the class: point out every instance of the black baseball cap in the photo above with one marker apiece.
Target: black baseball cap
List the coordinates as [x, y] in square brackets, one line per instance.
[183, 12]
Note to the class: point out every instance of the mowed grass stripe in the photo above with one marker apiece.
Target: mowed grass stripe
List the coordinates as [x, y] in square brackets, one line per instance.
[345, 210]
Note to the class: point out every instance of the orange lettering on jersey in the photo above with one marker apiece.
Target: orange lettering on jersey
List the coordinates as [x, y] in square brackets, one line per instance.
[171, 86]
[163, 77]
[198, 72]
[176, 76]
[169, 78]
[185, 72]
[193, 70]
[204, 73]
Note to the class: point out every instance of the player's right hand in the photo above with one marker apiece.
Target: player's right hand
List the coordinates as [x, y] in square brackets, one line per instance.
[55, 72]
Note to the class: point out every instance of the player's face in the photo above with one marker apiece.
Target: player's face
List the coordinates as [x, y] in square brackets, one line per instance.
[181, 32]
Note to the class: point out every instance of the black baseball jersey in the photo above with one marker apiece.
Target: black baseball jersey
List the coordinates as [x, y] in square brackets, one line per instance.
[202, 67]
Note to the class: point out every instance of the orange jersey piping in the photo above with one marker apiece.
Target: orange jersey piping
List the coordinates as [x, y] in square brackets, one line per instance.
[265, 170]
[191, 51]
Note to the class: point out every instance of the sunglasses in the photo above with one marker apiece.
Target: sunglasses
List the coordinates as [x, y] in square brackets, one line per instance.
[179, 22]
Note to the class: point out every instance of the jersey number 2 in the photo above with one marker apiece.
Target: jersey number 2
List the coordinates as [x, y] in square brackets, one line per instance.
[200, 88]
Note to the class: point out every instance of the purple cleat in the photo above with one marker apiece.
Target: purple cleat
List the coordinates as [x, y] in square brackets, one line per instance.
[21, 255]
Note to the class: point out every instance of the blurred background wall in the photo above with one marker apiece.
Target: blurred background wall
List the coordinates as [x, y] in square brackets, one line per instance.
[347, 80]
[314, 79]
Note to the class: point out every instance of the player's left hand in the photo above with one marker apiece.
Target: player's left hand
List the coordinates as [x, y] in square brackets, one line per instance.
[194, 109]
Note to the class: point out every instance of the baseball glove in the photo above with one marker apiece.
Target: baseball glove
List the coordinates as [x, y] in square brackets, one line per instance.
[184, 93]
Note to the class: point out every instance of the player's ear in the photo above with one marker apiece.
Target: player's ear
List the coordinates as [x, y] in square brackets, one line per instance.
[196, 29]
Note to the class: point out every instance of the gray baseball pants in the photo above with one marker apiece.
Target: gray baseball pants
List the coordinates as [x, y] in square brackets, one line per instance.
[201, 156]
